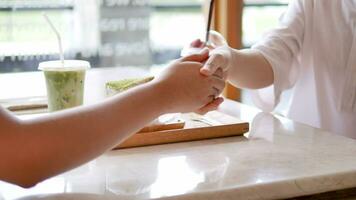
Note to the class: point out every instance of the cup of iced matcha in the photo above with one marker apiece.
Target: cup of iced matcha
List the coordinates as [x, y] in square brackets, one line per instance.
[64, 82]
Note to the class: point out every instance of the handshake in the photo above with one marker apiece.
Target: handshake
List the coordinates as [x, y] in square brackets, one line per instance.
[195, 82]
[191, 83]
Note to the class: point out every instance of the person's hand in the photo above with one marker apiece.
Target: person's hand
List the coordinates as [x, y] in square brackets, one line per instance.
[220, 54]
[186, 89]
[216, 102]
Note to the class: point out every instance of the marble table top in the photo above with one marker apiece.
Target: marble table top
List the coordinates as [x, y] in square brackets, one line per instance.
[277, 159]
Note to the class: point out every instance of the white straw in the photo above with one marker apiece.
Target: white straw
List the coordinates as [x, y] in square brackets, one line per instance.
[61, 54]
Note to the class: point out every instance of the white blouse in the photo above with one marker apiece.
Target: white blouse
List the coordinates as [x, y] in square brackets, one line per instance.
[314, 53]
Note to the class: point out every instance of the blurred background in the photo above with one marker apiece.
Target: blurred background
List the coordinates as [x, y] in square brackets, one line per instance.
[112, 33]
[140, 34]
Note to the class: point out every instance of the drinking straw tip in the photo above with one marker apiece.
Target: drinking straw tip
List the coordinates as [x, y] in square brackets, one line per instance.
[61, 53]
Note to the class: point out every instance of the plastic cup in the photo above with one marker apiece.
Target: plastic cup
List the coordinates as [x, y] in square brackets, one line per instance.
[65, 83]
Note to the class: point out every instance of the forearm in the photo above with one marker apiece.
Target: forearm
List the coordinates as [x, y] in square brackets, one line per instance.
[38, 149]
[249, 69]
[70, 138]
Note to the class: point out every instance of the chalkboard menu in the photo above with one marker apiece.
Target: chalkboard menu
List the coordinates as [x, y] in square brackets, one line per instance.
[124, 33]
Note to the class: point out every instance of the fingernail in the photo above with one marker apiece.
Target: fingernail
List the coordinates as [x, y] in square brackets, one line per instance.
[219, 101]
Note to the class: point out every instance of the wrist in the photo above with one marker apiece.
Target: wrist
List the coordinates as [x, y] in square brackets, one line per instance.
[234, 53]
[161, 96]
[233, 62]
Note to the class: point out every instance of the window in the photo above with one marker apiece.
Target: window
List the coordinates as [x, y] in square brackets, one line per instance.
[23, 36]
[260, 16]
[105, 32]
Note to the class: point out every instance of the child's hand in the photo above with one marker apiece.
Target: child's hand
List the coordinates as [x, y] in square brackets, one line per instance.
[220, 54]
[186, 89]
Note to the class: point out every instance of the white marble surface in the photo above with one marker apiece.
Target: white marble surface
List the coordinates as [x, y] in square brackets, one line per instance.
[277, 159]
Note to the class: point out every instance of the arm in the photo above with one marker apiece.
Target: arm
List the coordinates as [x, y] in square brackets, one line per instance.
[34, 150]
[268, 62]
[243, 68]
[250, 70]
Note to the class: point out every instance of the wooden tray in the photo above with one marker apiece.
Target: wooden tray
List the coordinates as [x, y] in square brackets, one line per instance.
[25, 106]
[196, 127]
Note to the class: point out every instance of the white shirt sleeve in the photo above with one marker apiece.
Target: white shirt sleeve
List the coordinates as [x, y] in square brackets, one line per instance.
[281, 48]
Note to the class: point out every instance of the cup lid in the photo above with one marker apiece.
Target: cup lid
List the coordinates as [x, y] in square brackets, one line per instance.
[69, 65]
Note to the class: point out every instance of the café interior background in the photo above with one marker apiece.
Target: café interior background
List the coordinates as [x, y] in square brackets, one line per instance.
[114, 33]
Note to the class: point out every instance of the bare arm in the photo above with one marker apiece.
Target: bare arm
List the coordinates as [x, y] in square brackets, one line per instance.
[34, 150]
[243, 68]
[37, 149]
[250, 70]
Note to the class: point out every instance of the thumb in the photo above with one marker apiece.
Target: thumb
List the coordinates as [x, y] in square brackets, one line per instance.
[212, 65]
[197, 57]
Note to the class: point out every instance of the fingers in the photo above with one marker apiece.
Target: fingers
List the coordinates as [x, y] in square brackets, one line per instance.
[216, 39]
[218, 84]
[197, 44]
[200, 44]
[215, 62]
[219, 73]
[214, 92]
[225, 75]
[197, 57]
[213, 105]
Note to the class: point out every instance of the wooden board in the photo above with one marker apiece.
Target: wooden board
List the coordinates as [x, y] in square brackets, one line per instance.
[25, 106]
[163, 127]
[213, 125]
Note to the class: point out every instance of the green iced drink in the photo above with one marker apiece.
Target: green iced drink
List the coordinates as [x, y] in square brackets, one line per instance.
[65, 83]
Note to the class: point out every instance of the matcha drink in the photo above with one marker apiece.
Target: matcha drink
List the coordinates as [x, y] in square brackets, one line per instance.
[65, 83]
[115, 87]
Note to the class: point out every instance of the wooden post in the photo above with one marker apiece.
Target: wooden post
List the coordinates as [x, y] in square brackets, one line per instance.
[228, 21]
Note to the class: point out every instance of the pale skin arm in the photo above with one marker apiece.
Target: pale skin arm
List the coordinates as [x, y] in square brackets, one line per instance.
[247, 68]
[250, 70]
[34, 150]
